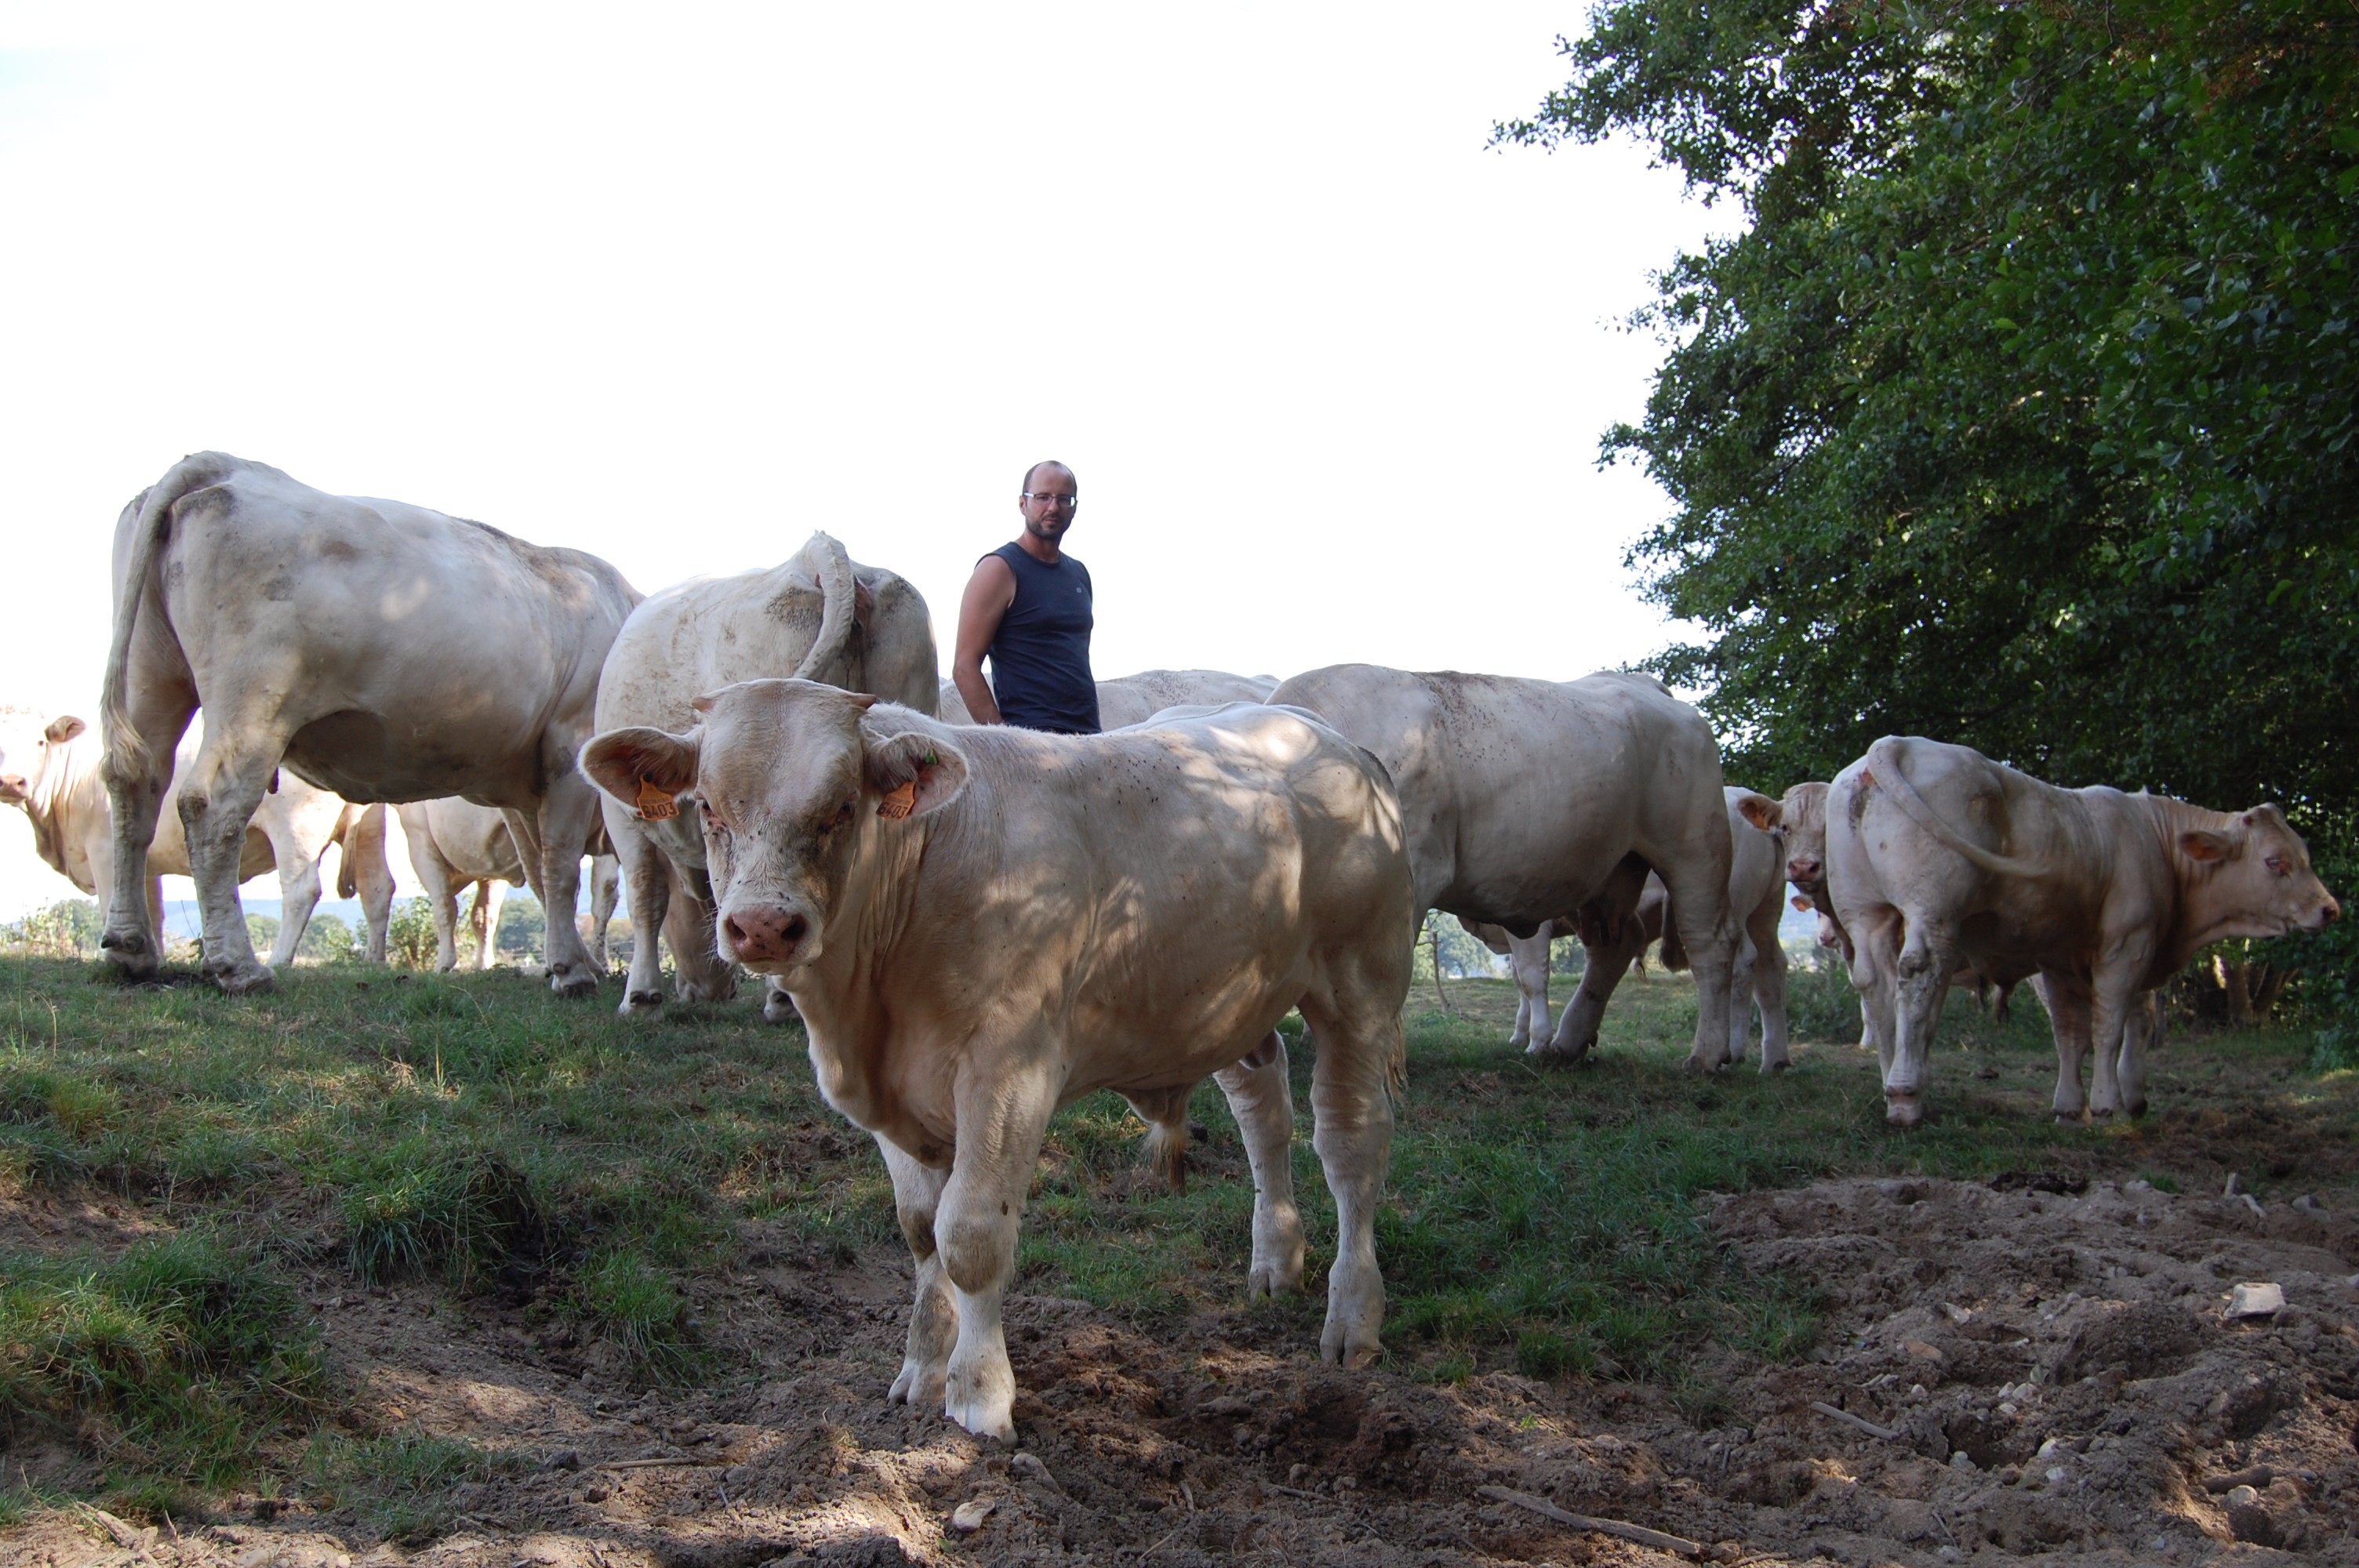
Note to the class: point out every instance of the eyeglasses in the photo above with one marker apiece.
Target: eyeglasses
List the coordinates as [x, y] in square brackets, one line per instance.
[1052, 500]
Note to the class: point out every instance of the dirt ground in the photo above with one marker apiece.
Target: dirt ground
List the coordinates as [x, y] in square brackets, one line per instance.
[2054, 1369]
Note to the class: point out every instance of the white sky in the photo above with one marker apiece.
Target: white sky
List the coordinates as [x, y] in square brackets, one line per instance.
[679, 287]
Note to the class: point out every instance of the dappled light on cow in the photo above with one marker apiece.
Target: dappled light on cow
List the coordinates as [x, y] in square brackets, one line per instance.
[981, 924]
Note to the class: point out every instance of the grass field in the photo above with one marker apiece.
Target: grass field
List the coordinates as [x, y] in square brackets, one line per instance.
[474, 1135]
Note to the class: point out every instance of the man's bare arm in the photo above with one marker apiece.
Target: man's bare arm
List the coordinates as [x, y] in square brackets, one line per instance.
[988, 594]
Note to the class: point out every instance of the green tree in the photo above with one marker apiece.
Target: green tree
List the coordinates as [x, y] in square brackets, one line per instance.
[2020, 413]
[523, 927]
[326, 940]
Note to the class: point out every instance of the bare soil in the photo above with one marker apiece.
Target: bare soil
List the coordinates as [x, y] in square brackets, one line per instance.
[2055, 1366]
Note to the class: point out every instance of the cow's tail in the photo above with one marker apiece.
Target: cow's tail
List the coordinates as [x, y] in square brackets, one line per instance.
[1883, 761]
[126, 749]
[832, 567]
[1165, 1151]
[360, 837]
[1674, 952]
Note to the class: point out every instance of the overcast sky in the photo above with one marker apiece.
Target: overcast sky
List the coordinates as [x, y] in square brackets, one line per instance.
[679, 288]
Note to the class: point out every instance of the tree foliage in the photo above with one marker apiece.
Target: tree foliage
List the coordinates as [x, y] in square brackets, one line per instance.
[2021, 412]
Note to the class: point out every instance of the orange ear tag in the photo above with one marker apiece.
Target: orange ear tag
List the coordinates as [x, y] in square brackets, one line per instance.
[901, 802]
[655, 805]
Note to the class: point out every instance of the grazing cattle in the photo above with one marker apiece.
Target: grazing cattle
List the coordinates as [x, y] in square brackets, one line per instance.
[454, 843]
[1756, 884]
[1523, 799]
[373, 648]
[819, 616]
[1938, 857]
[49, 767]
[981, 924]
[952, 708]
[1132, 699]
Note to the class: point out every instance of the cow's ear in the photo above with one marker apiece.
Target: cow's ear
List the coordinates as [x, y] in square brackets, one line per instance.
[626, 762]
[64, 728]
[914, 773]
[2202, 844]
[1760, 810]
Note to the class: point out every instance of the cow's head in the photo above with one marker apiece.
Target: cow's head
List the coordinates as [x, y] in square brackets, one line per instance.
[794, 783]
[1803, 817]
[2250, 876]
[27, 745]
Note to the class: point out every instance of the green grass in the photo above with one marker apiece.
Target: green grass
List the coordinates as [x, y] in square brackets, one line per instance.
[400, 1482]
[474, 1134]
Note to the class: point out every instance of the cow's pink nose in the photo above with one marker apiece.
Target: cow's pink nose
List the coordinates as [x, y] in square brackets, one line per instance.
[1802, 870]
[15, 784]
[764, 932]
[2333, 912]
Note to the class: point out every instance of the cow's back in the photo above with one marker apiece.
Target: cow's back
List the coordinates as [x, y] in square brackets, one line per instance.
[1132, 699]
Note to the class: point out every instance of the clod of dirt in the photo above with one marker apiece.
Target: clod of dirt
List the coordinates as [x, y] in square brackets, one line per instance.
[2261, 1299]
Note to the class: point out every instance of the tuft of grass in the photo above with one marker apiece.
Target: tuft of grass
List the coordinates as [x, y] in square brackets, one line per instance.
[639, 1309]
[415, 1208]
[399, 1482]
[182, 1356]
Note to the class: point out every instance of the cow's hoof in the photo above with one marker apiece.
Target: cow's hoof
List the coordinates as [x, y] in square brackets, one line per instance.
[779, 1008]
[242, 979]
[573, 982]
[1555, 1056]
[1903, 1111]
[1352, 1352]
[2138, 1109]
[1520, 1041]
[1769, 1068]
[918, 1384]
[135, 956]
[639, 1003]
[985, 1416]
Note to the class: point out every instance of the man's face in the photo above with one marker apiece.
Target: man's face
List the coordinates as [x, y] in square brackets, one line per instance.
[1049, 503]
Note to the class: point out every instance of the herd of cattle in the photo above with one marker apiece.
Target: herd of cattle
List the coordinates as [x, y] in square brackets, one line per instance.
[978, 924]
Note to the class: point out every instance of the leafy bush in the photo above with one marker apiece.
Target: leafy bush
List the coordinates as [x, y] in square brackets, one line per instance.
[409, 936]
[1820, 1002]
[327, 940]
[69, 928]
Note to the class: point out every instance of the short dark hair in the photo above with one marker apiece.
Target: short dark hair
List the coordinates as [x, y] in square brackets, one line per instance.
[1043, 463]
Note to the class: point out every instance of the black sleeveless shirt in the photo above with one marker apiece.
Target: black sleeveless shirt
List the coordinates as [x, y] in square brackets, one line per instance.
[1040, 656]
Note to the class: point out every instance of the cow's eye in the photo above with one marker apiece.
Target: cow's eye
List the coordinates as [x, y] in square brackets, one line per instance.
[2281, 865]
[711, 818]
[840, 819]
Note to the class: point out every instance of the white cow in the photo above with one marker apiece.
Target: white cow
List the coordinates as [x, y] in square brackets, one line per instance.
[818, 616]
[377, 649]
[1126, 700]
[454, 843]
[49, 767]
[1526, 798]
[982, 924]
[1756, 887]
[1938, 858]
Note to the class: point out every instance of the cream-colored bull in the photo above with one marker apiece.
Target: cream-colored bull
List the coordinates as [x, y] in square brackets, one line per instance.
[980, 925]
[373, 648]
[49, 767]
[1938, 858]
[1523, 799]
[455, 844]
[819, 616]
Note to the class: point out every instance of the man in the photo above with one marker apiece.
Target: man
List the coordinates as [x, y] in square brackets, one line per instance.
[1029, 607]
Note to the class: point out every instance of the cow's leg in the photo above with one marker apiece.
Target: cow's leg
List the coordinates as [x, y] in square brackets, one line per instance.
[1700, 907]
[568, 812]
[218, 799]
[777, 1006]
[1611, 938]
[1352, 1129]
[299, 884]
[2141, 1035]
[1767, 985]
[2068, 998]
[605, 874]
[440, 881]
[1921, 984]
[2117, 1028]
[646, 887]
[1262, 1099]
[699, 971]
[1002, 1117]
[1874, 948]
[934, 1319]
[1528, 957]
[365, 850]
[483, 918]
[1740, 999]
[134, 938]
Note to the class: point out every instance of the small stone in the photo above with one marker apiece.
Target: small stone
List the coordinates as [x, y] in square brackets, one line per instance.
[969, 1516]
[563, 1459]
[595, 1494]
[1956, 1314]
[2242, 1496]
[2056, 1473]
[2308, 1204]
[2007, 1408]
[1922, 1351]
[1962, 1460]
[2257, 1299]
[2230, 1190]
